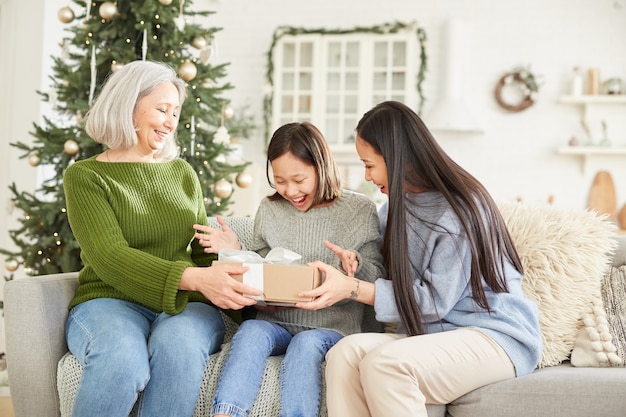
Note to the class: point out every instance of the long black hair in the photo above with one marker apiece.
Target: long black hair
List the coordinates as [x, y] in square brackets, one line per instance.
[416, 160]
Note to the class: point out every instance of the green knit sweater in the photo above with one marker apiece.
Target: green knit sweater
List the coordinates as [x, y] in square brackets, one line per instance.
[133, 222]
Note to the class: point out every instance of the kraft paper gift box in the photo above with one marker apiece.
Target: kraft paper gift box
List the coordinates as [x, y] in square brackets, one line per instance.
[277, 276]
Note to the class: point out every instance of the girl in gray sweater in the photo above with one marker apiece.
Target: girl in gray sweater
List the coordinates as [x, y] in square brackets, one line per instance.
[311, 215]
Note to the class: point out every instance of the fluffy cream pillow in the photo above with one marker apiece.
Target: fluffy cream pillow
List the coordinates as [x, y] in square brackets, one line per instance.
[602, 339]
[565, 254]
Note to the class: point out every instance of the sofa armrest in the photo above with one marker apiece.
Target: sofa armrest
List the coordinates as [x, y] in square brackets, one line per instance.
[35, 311]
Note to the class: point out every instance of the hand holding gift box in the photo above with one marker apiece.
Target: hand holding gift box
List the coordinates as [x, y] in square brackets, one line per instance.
[278, 276]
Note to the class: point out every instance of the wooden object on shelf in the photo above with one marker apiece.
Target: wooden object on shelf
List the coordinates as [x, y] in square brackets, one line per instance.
[602, 197]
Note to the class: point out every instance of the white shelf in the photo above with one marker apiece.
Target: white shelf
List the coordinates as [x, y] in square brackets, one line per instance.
[592, 150]
[587, 151]
[594, 99]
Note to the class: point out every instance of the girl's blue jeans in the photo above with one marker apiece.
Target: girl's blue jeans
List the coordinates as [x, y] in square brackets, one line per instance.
[126, 349]
[300, 371]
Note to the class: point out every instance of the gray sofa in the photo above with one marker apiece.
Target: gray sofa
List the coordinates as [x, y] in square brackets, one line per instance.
[43, 376]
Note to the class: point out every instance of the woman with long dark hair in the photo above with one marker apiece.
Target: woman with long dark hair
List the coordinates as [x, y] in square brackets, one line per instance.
[453, 286]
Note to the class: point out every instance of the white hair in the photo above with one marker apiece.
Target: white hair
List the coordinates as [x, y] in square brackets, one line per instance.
[110, 120]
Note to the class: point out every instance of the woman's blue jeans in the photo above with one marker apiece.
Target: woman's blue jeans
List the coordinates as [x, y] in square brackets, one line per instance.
[126, 349]
[300, 371]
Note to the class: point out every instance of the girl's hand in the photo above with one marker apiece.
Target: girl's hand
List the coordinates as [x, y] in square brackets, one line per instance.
[349, 261]
[215, 239]
[335, 287]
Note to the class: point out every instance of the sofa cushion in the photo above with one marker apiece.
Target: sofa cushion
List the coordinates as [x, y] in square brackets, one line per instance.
[602, 339]
[561, 390]
[564, 254]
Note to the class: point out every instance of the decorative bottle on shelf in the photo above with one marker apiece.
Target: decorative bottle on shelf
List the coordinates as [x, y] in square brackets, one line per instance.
[577, 82]
[593, 84]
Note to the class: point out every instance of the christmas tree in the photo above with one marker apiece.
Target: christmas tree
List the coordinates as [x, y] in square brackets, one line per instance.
[104, 36]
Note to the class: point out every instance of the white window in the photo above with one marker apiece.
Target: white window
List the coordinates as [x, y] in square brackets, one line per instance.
[332, 79]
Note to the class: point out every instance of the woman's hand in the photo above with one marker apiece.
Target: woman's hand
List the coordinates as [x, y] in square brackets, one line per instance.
[215, 239]
[335, 287]
[216, 284]
[349, 261]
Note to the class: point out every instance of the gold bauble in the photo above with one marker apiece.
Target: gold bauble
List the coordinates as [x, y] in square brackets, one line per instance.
[229, 112]
[11, 265]
[222, 189]
[71, 147]
[187, 71]
[199, 42]
[66, 15]
[108, 10]
[34, 160]
[165, 2]
[243, 179]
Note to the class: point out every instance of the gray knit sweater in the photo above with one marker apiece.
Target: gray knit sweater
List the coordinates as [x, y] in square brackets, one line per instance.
[351, 222]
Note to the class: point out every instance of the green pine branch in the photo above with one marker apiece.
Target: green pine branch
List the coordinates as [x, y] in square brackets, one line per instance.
[44, 241]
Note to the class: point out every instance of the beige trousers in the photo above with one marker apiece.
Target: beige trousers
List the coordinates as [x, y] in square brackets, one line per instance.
[383, 374]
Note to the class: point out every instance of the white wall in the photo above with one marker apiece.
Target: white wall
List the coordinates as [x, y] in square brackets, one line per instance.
[516, 155]
[22, 30]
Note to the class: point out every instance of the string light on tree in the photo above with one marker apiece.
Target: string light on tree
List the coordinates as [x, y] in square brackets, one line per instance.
[116, 65]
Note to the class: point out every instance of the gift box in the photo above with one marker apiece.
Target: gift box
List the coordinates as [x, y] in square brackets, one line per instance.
[277, 276]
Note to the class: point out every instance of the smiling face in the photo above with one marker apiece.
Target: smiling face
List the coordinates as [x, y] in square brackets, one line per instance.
[156, 118]
[295, 180]
[375, 166]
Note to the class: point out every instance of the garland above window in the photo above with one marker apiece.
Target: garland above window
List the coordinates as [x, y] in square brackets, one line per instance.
[385, 28]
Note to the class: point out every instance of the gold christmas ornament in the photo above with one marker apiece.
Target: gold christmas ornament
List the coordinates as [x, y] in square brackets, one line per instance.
[199, 42]
[187, 71]
[34, 160]
[108, 10]
[165, 2]
[243, 179]
[71, 147]
[229, 112]
[222, 189]
[11, 265]
[66, 15]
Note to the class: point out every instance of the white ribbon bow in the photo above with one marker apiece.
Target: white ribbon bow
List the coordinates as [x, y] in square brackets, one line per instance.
[274, 256]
